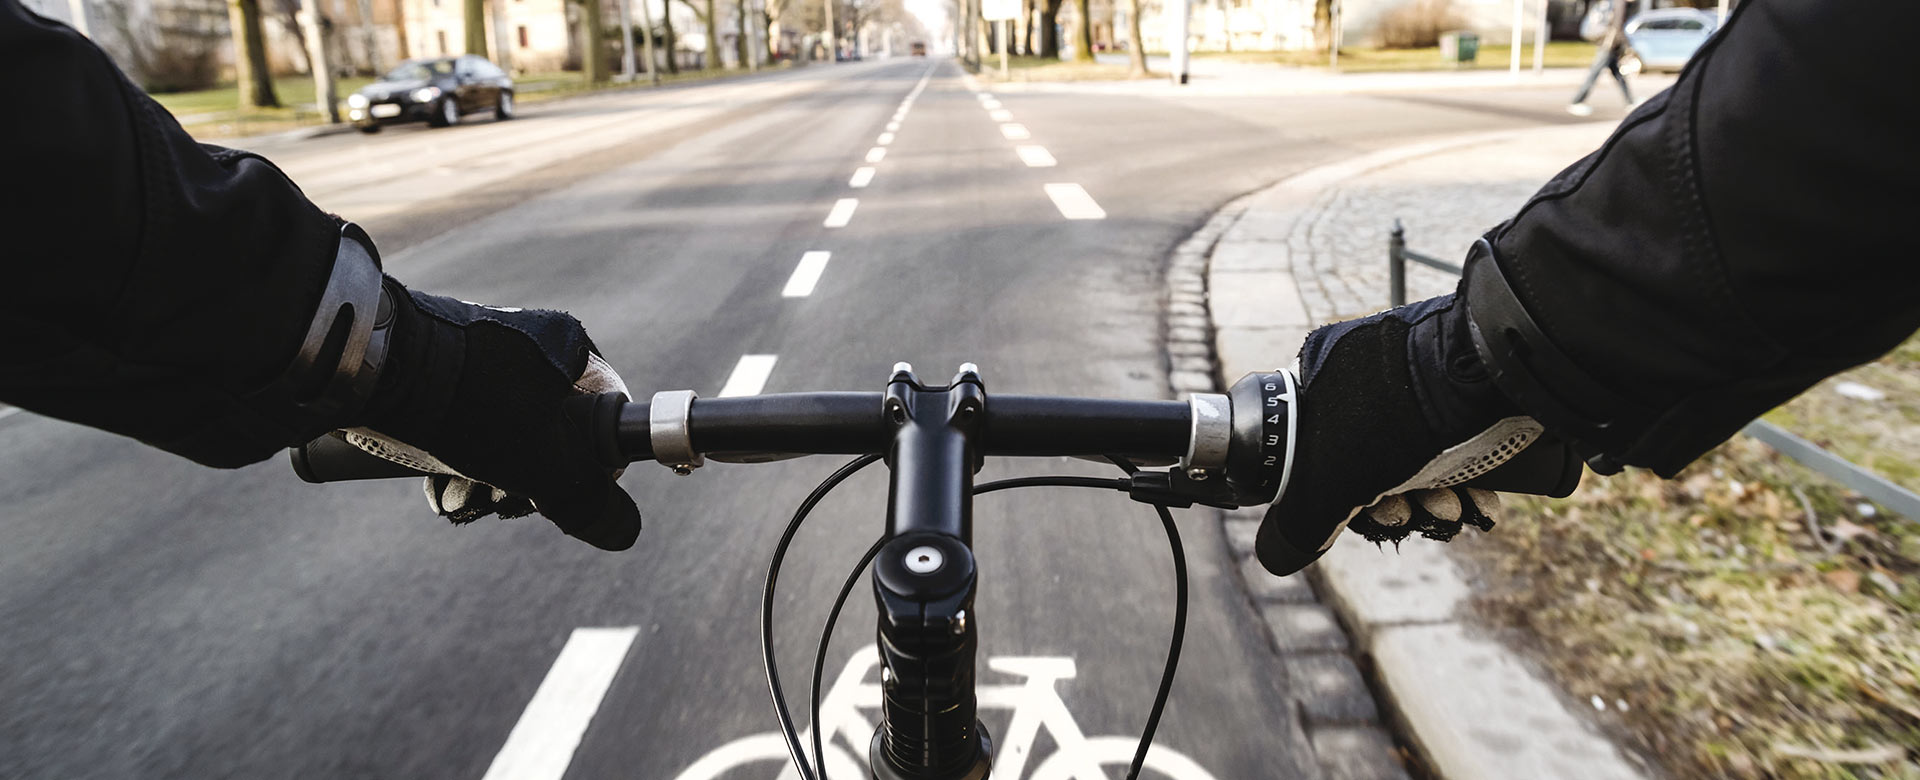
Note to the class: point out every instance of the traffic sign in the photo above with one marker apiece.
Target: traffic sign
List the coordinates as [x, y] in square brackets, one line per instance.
[999, 10]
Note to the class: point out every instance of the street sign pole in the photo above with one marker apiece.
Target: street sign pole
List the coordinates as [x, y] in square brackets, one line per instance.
[626, 41]
[1177, 43]
[1004, 12]
[1540, 40]
[1006, 42]
[1519, 14]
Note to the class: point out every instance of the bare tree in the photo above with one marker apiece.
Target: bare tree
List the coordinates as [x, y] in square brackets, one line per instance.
[1082, 31]
[250, 74]
[672, 41]
[593, 42]
[1049, 28]
[740, 41]
[1323, 25]
[476, 24]
[1136, 45]
[710, 59]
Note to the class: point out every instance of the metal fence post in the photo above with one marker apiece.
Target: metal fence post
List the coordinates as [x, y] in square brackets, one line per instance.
[1397, 266]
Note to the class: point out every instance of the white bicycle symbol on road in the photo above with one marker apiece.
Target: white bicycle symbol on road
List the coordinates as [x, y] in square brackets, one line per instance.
[1035, 705]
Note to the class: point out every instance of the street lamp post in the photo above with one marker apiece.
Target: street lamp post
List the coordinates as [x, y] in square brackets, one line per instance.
[1178, 10]
[646, 20]
[626, 41]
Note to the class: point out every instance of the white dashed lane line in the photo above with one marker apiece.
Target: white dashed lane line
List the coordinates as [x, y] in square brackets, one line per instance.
[806, 274]
[990, 104]
[1074, 202]
[842, 212]
[1035, 156]
[541, 745]
[884, 139]
[862, 176]
[749, 375]
[1015, 131]
[876, 154]
[1001, 115]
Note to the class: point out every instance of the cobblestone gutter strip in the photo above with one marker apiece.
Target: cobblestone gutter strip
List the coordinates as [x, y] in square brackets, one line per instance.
[1335, 705]
[1254, 280]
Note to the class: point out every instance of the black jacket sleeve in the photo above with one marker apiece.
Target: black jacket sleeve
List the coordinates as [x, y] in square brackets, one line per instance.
[1740, 237]
[156, 286]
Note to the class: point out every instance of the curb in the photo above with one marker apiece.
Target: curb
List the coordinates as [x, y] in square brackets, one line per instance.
[1336, 708]
[1467, 707]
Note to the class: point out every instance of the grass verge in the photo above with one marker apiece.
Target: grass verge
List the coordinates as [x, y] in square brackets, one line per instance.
[1023, 68]
[1755, 619]
[1560, 54]
[215, 113]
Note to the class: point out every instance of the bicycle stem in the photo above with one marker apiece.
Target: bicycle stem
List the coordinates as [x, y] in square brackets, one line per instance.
[923, 583]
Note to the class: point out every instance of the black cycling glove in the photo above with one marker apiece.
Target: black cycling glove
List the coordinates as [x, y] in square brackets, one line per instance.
[478, 394]
[1396, 410]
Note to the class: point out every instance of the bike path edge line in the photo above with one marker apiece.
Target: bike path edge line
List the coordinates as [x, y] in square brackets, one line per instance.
[1468, 707]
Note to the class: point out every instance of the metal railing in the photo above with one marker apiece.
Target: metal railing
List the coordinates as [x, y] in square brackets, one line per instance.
[1869, 485]
[1397, 257]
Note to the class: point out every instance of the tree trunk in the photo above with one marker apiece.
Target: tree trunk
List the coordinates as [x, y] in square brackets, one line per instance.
[741, 46]
[250, 72]
[1049, 29]
[593, 43]
[673, 44]
[400, 26]
[476, 24]
[712, 58]
[1323, 24]
[1136, 45]
[1082, 31]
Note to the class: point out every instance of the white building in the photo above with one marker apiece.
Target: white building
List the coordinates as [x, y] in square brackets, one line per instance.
[1281, 25]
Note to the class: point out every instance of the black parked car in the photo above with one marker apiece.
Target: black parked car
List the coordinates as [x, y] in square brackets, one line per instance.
[437, 89]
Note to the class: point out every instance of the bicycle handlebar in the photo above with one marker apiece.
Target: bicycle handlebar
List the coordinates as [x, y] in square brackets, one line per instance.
[1250, 455]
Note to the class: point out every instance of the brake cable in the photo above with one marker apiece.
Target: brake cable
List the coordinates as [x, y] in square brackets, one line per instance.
[818, 771]
[766, 609]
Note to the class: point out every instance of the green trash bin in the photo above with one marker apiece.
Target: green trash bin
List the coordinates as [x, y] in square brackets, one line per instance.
[1459, 46]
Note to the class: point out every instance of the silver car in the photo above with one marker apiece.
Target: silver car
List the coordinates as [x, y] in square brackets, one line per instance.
[1664, 39]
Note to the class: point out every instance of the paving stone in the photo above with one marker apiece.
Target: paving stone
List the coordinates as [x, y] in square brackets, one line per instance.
[1194, 363]
[1263, 586]
[1190, 333]
[1194, 321]
[1191, 382]
[1418, 583]
[1181, 349]
[1240, 535]
[1303, 628]
[1233, 254]
[1243, 350]
[1477, 711]
[1255, 299]
[1356, 753]
[1330, 689]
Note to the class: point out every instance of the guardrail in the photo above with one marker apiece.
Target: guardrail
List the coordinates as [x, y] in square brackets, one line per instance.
[1869, 485]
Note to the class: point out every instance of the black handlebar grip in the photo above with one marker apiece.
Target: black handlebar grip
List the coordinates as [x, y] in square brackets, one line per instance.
[330, 458]
[1547, 468]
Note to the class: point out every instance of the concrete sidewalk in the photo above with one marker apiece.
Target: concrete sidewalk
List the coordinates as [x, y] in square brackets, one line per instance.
[1313, 249]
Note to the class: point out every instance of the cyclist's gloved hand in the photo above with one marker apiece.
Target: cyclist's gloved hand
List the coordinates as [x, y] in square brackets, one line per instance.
[1395, 410]
[476, 394]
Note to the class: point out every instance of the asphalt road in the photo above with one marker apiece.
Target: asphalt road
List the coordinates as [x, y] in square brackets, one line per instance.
[164, 620]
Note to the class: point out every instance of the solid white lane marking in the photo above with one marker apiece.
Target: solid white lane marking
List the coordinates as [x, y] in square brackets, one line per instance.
[541, 745]
[876, 154]
[1001, 115]
[892, 126]
[806, 275]
[749, 375]
[990, 104]
[884, 139]
[1035, 156]
[1015, 131]
[1074, 202]
[862, 176]
[842, 212]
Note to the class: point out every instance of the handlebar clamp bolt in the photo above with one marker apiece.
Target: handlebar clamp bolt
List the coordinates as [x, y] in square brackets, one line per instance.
[960, 622]
[1197, 475]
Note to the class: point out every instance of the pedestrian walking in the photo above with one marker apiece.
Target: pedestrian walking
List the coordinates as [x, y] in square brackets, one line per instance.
[1606, 24]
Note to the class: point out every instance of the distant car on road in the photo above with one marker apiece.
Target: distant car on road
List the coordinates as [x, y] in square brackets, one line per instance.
[437, 89]
[1665, 38]
[919, 49]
